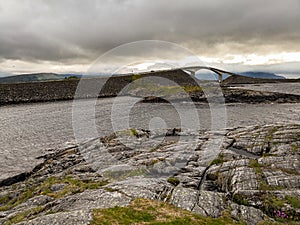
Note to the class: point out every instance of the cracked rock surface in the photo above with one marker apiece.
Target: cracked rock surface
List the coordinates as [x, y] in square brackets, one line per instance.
[252, 174]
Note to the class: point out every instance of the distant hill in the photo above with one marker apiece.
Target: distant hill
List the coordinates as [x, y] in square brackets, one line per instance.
[31, 78]
[36, 77]
[39, 77]
[261, 75]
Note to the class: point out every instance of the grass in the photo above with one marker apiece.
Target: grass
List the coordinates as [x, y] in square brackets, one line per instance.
[173, 180]
[134, 132]
[125, 174]
[262, 184]
[163, 89]
[270, 134]
[295, 147]
[253, 163]
[10, 202]
[240, 199]
[110, 189]
[268, 154]
[218, 160]
[272, 203]
[72, 78]
[24, 215]
[136, 77]
[278, 223]
[293, 201]
[192, 89]
[72, 186]
[168, 89]
[142, 211]
[289, 171]
[152, 162]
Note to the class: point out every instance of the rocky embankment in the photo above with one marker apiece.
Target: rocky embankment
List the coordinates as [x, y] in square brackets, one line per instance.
[61, 90]
[110, 87]
[237, 79]
[232, 95]
[254, 178]
[227, 94]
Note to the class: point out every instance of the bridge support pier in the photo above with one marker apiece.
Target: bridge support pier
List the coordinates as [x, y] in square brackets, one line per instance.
[220, 78]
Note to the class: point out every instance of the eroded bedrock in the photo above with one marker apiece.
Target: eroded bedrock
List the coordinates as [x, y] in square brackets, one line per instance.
[253, 176]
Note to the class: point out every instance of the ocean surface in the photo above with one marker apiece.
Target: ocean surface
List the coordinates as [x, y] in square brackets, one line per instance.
[289, 88]
[28, 130]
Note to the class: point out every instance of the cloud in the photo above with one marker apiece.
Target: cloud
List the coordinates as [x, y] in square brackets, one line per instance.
[79, 31]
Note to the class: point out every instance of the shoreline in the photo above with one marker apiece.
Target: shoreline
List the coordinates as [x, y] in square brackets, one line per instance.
[230, 94]
[65, 179]
[51, 91]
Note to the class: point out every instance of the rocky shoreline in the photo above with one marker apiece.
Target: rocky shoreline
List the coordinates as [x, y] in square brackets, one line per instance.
[16, 93]
[229, 95]
[255, 177]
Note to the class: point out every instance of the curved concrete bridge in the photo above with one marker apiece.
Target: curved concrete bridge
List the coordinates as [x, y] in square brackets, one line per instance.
[193, 69]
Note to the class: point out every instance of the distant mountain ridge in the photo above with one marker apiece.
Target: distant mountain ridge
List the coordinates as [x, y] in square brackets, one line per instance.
[262, 75]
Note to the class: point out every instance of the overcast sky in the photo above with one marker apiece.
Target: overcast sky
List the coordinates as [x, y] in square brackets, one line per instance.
[67, 36]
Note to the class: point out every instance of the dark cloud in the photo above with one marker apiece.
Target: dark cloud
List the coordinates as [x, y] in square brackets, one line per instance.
[69, 30]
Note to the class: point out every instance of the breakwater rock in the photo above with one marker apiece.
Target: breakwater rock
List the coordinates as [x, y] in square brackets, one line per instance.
[254, 177]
